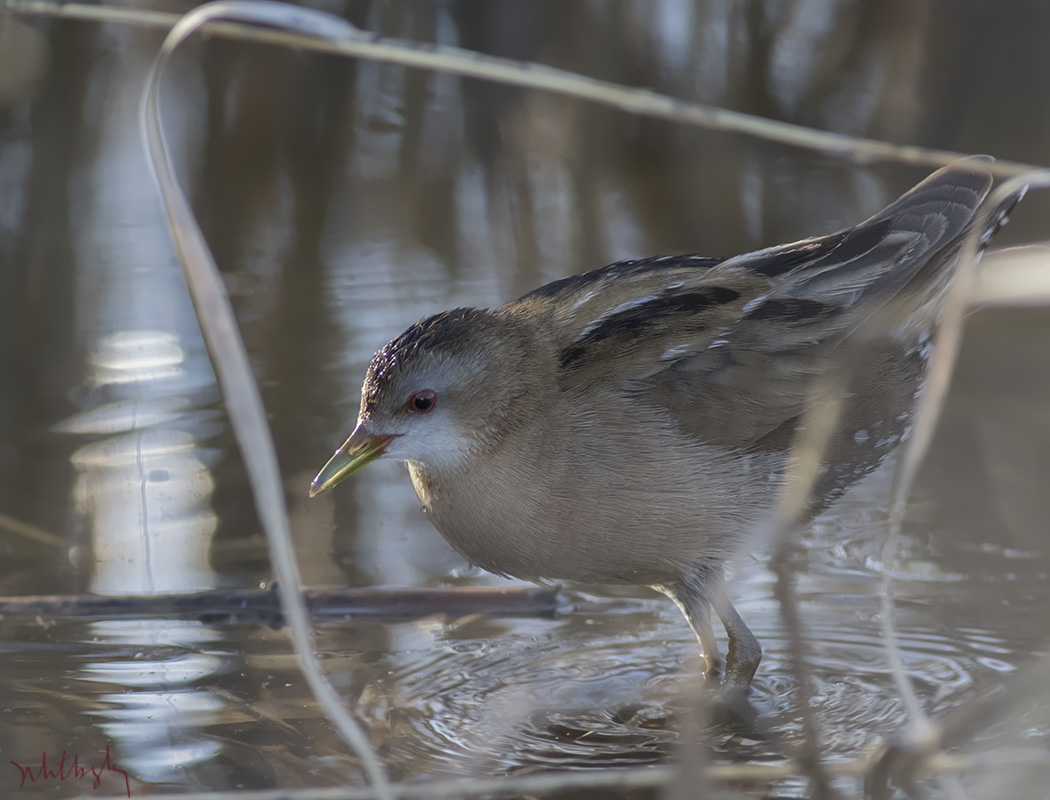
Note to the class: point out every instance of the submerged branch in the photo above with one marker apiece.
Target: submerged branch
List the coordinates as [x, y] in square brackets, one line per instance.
[373, 603]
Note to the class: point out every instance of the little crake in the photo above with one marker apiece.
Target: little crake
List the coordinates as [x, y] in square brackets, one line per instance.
[631, 425]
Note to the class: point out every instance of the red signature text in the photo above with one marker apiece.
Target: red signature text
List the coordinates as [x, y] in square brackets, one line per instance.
[71, 770]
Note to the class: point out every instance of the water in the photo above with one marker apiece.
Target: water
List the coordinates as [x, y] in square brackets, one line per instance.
[343, 203]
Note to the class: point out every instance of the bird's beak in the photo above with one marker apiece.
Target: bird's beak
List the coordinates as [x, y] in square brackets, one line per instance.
[361, 448]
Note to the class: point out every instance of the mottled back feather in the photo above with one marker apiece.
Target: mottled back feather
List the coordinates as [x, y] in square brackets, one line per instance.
[736, 366]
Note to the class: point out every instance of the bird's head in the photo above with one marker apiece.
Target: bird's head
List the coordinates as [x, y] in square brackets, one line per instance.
[442, 390]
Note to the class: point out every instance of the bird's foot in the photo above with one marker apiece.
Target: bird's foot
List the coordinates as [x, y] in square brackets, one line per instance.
[730, 707]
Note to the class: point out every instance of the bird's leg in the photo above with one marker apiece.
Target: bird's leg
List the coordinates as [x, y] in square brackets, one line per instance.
[691, 597]
[701, 626]
[745, 653]
[695, 595]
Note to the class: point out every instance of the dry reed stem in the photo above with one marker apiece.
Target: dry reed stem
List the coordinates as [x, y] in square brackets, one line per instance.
[443, 58]
[540, 784]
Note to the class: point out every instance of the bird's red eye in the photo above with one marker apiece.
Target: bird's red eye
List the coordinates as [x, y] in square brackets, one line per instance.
[422, 402]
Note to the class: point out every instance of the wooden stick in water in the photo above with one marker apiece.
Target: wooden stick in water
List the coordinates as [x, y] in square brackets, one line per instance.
[374, 603]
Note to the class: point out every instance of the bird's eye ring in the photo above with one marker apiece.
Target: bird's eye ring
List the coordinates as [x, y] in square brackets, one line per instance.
[422, 402]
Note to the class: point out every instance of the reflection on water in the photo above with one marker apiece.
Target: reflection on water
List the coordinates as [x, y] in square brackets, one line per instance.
[144, 490]
[145, 498]
[136, 356]
[148, 704]
[343, 202]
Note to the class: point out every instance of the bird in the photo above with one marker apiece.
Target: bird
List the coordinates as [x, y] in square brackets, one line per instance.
[632, 424]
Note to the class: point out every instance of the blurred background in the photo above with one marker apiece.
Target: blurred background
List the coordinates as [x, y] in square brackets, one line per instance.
[345, 199]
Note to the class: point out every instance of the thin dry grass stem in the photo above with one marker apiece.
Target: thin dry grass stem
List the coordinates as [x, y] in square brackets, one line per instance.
[240, 392]
[921, 736]
[1013, 277]
[818, 425]
[822, 416]
[693, 778]
[31, 532]
[808, 755]
[362, 44]
[545, 783]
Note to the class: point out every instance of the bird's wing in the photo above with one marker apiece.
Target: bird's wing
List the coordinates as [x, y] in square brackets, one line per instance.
[731, 349]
